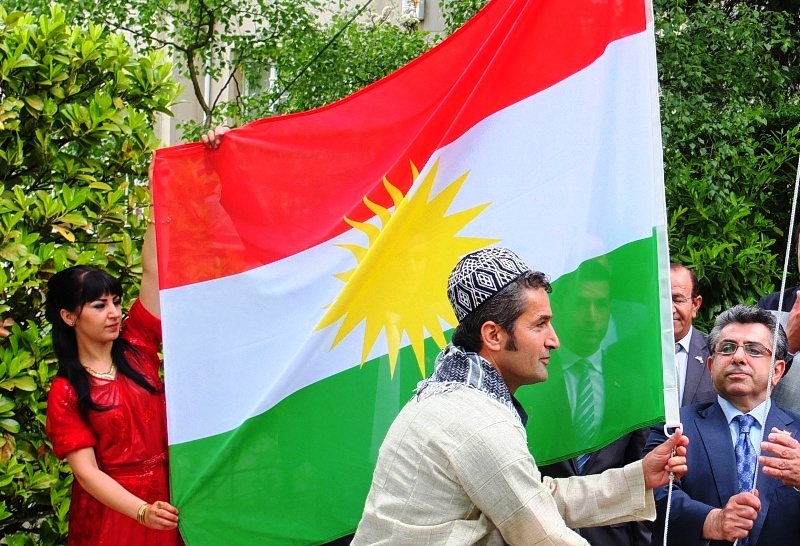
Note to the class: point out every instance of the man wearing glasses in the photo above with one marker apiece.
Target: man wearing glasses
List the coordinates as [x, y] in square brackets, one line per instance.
[713, 504]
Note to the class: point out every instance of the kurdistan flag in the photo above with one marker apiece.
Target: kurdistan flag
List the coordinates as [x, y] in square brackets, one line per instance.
[303, 265]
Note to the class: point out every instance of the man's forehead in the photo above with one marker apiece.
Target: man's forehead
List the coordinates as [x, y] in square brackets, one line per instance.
[680, 281]
[538, 302]
[594, 289]
[754, 331]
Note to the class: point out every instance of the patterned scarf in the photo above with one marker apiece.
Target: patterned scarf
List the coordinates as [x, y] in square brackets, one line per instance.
[454, 366]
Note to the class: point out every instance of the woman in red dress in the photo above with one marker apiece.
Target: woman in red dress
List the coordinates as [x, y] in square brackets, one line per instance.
[106, 410]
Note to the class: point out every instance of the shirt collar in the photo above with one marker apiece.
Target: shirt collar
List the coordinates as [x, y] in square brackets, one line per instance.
[759, 412]
[685, 340]
[570, 359]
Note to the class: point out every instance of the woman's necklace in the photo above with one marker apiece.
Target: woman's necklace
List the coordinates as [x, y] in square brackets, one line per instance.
[110, 374]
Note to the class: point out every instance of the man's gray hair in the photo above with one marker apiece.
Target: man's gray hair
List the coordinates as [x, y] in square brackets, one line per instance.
[748, 314]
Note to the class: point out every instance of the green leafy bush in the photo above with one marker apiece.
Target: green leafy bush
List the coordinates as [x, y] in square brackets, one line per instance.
[730, 121]
[331, 60]
[76, 135]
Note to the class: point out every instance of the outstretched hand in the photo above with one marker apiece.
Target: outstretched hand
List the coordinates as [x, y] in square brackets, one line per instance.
[793, 327]
[659, 463]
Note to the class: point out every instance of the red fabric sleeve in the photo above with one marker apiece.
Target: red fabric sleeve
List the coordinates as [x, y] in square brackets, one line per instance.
[65, 427]
[143, 331]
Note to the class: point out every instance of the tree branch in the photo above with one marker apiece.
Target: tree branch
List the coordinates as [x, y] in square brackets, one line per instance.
[201, 41]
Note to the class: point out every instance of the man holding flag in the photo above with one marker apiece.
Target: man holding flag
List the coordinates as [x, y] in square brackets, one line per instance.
[455, 466]
[301, 263]
[716, 503]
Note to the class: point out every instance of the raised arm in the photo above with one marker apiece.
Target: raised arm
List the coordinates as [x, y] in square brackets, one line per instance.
[148, 291]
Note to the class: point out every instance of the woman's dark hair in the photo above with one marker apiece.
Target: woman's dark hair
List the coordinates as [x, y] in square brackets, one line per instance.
[71, 289]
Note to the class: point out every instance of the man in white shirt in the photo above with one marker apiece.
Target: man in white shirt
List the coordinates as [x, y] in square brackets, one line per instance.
[691, 349]
[455, 468]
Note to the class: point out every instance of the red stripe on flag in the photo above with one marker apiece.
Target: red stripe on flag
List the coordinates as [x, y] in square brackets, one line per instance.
[282, 185]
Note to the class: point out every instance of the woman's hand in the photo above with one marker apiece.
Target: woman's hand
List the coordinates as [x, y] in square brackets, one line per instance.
[8, 323]
[160, 515]
[213, 138]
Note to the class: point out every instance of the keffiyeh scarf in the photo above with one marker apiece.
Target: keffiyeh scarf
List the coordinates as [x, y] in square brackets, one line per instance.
[454, 366]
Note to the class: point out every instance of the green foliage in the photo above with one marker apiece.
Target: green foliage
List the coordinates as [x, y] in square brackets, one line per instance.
[730, 120]
[76, 118]
[270, 57]
[334, 60]
[457, 12]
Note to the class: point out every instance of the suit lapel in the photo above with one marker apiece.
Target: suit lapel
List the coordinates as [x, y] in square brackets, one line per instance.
[573, 466]
[693, 375]
[694, 367]
[712, 427]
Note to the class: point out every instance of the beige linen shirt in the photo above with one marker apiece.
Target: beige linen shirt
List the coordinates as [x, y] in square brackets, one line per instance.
[455, 469]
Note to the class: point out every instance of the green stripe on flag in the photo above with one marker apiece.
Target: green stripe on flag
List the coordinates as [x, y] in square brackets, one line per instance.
[305, 465]
[629, 349]
[300, 473]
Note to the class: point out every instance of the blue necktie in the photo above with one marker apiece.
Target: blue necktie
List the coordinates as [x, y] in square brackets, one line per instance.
[584, 400]
[584, 409]
[745, 458]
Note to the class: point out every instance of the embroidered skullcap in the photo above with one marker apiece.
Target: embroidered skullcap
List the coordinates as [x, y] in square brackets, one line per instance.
[479, 276]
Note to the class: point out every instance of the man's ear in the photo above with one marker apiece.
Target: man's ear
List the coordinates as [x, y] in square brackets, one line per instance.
[696, 303]
[780, 370]
[492, 335]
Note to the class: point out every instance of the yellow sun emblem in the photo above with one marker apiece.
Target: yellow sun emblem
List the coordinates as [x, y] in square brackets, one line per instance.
[399, 284]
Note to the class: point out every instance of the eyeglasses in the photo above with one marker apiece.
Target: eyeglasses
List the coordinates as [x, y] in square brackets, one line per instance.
[751, 348]
[681, 300]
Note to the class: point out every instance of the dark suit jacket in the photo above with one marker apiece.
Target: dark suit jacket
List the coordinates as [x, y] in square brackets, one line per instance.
[787, 393]
[770, 301]
[698, 386]
[624, 394]
[711, 481]
[623, 391]
[615, 455]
